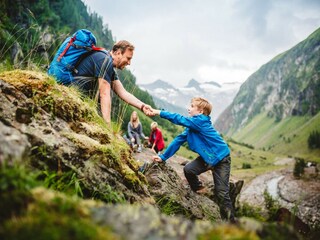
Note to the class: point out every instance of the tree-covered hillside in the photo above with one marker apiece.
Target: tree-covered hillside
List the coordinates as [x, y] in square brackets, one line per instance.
[31, 32]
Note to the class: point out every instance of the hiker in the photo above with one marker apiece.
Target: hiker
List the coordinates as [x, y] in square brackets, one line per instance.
[156, 141]
[95, 74]
[135, 132]
[213, 151]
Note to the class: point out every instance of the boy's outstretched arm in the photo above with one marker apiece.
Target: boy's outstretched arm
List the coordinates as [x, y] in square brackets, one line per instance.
[172, 148]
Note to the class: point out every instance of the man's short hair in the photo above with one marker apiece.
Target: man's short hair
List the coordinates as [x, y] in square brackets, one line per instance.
[202, 104]
[123, 45]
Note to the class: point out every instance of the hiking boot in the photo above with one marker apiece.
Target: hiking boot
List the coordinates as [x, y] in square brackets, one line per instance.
[234, 220]
[145, 167]
[139, 149]
[202, 190]
[198, 187]
[184, 163]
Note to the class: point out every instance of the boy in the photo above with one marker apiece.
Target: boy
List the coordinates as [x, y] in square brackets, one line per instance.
[213, 152]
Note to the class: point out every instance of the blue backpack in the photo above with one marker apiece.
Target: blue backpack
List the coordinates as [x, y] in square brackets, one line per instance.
[70, 53]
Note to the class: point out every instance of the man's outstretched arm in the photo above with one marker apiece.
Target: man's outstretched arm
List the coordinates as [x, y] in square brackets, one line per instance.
[130, 98]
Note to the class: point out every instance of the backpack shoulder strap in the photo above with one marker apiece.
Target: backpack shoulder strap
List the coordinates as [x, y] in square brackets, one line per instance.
[67, 47]
[85, 55]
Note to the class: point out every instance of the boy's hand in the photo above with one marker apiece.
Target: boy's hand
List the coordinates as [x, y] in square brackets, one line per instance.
[156, 159]
[156, 112]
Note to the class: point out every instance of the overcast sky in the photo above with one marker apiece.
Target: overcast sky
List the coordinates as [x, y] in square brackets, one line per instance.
[208, 40]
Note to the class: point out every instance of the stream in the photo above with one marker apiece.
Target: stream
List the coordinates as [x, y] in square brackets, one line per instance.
[272, 186]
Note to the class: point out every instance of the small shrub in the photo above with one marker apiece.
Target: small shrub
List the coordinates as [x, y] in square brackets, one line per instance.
[314, 140]
[299, 166]
[246, 210]
[246, 165]
[271, 204]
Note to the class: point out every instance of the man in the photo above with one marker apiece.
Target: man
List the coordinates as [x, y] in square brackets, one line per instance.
[96, 76]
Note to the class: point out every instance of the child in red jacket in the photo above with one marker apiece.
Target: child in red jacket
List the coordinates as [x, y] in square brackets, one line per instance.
[156, 142]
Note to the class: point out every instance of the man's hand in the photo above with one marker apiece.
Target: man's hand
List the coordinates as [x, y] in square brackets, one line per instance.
[156, 159]
[147, 110]
[133, 140]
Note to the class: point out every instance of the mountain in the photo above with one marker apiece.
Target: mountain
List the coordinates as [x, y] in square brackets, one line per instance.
[169, 97]
[162, 104]
[194, 84]
[284, 90]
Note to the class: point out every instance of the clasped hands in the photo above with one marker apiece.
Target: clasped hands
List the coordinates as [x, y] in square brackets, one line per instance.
[149, 111]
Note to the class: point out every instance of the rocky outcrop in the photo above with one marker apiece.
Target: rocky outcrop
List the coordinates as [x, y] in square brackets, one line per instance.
[50, 125]
[49, 128]
[54, 128]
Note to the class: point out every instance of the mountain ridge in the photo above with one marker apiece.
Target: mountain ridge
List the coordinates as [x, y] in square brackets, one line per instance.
[177, 99]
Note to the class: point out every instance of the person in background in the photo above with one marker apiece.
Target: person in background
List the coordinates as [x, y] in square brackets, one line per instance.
[135, 132]
[214, 153]
[156, 141]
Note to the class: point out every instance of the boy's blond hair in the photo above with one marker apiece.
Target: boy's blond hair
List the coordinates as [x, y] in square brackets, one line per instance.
[202, 104]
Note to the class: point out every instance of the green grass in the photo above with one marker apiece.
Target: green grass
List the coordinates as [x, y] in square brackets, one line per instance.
[260, 161]
[287, 137]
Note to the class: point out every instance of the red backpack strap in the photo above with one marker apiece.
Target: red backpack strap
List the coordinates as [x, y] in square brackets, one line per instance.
[66, 49]
[94, 48]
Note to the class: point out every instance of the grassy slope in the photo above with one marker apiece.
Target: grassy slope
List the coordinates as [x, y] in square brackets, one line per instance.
[260, 161]
[287, 137]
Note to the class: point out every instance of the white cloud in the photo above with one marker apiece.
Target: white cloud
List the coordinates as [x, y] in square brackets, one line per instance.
[220, 40]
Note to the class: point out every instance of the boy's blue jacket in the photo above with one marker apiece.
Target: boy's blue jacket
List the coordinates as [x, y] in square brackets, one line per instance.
[202, 138]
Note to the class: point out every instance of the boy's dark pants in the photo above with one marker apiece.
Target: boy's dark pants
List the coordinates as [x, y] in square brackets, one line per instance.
[221, 174]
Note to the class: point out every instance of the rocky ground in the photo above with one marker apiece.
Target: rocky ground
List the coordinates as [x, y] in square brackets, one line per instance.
[300, 196]
[177, 163]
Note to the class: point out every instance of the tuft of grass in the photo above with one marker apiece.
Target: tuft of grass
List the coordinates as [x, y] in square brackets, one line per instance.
[66, 182]
[109, 195]
[227, 232]
[15, 185]
[53, 216]
[169, 206]
[247, 210]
